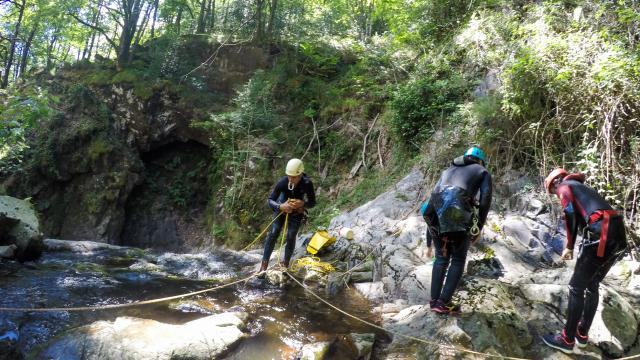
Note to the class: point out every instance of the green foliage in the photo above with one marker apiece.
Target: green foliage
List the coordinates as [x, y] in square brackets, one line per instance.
[425, 103]
[367, 187]
[20, 112]
[125, 76]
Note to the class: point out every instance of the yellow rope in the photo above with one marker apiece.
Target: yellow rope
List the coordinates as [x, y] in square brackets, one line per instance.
[135, 303]
[396, 333]
[262, 233]
[312, 263]
[284, 234]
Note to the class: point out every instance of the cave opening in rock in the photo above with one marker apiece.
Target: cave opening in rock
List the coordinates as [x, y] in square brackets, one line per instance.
[166, 210]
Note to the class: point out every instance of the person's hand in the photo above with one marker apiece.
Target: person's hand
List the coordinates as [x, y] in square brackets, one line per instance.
[567, 254]
[295, 203]
[286, 208]
[474, 239]
[430, 252]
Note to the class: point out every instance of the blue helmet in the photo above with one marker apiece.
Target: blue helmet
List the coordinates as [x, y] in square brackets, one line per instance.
[476, 152]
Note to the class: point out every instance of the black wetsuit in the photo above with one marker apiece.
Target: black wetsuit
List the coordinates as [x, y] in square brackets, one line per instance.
[279, 195]
[449, 219]
[604, 240]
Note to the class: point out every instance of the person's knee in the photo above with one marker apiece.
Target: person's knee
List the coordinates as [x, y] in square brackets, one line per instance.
[577, 291]
[459, 260]
[593, 288]
[442, 260]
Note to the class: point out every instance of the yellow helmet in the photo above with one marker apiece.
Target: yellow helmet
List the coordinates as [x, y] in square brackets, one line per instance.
[295, 167]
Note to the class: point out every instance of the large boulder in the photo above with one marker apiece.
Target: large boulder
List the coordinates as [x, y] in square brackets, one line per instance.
[133, 338]
[392, 229]
[19, 226]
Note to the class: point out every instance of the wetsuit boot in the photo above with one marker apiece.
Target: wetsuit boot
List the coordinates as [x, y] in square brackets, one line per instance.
[263, 267]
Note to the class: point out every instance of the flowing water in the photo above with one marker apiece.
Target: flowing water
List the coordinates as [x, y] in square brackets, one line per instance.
[281, 320]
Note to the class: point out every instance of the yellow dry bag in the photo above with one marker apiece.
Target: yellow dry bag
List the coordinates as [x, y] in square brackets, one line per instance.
[320, 239]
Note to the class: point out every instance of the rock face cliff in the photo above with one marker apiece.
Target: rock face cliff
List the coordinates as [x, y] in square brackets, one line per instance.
[514, 288]
[126, 166]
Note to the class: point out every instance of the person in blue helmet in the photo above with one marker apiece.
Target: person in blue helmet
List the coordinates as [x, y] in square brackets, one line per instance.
[455, 214]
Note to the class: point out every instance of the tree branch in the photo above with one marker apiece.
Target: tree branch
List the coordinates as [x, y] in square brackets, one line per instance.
[364, 142]
[97, 28]
[12, 2]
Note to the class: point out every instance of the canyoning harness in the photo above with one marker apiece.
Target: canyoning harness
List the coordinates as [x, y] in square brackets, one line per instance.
[456, 210]
[475, 229]
[597, 229]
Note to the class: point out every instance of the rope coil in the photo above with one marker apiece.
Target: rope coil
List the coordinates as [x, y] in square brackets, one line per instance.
[313, 263]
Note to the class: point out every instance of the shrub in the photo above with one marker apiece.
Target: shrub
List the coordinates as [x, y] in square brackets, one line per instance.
[424, 103]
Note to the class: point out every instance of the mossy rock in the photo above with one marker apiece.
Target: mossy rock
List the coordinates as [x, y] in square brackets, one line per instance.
[23, 227]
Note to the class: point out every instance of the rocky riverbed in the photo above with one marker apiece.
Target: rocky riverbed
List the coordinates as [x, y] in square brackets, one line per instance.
[252, 319]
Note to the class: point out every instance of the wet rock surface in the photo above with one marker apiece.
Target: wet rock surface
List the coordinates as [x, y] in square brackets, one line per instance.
[134, 338]
[20, 235]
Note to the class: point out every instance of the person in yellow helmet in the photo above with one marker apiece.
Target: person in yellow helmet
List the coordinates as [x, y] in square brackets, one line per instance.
[291, 195]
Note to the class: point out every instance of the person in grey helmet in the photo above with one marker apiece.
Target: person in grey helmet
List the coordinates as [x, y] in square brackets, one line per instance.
[291, 195]
[455, 214]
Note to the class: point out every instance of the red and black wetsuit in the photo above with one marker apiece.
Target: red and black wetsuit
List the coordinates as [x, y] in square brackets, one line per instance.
[603, 242]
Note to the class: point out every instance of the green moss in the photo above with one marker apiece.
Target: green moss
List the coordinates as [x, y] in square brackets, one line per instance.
[85, 267]
[98, 78]
[143, 90]
[97, 148]
[125, 76]
[135, 253]
[92, 202]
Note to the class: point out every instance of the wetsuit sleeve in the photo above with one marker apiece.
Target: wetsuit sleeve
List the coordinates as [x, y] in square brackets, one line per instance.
[431, 219]
[570, 218]
[311, 196]
[486, 194]
[272, 201]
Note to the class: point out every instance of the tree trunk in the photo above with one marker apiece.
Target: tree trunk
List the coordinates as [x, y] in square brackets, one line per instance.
[226, 12]
[369, 19]
[66, 54]
[12, 48]
[50, 47]
[202, 17]
[259, 33]
[155, 16]
[26, 48]
[131, 13]
[143, 25]
[178, 20]
[273, 7]
[90, 41]
[212, 16]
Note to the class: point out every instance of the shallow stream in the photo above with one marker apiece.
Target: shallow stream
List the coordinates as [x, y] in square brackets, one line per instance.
[281, 320]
